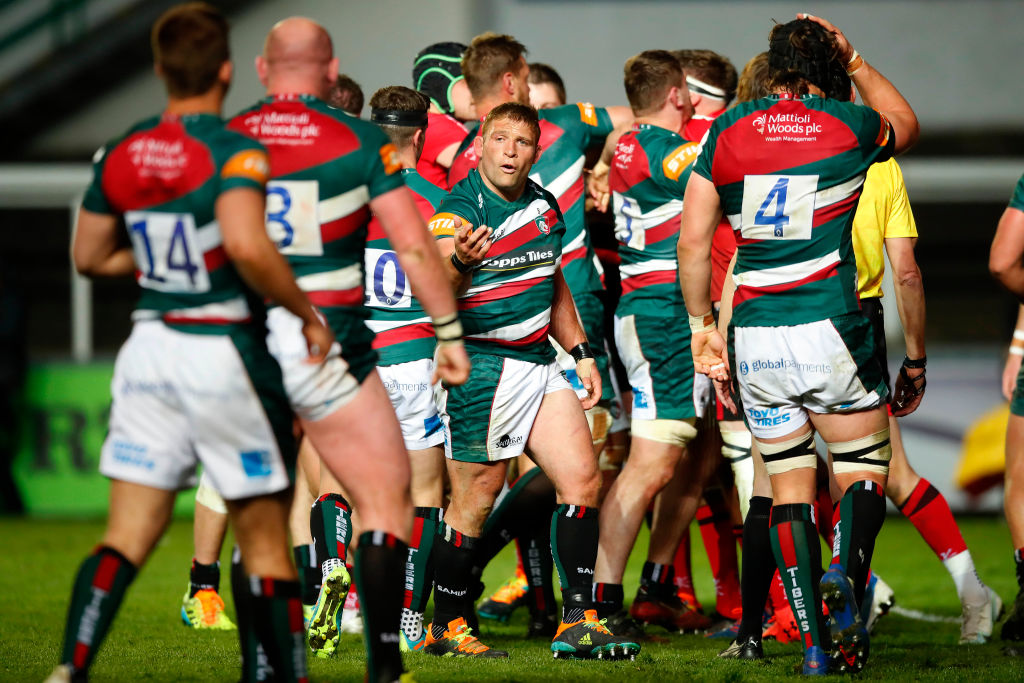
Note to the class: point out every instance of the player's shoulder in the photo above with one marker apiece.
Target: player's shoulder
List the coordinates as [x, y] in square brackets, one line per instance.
[101, 154]
[433, 194]
[577, 114]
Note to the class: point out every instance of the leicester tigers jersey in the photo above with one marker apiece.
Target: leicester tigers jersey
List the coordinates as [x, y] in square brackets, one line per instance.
[507, 308]
[565, 135]
[648, 177]
[789, 171]
[164, 176]
[403, 330]
[1017, 200]
[325, 167]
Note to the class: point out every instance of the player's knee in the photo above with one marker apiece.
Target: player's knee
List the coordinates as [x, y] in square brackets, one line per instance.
[674, 432]
[599, 420]
[792, 454]
[208, 496]
[869, 453]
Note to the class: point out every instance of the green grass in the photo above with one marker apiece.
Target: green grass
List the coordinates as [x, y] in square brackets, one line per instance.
[39, 558]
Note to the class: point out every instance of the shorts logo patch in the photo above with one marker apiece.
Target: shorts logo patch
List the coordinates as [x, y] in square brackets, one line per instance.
[256, 463]
[132, 454]
[639, 398]
[744, 368]
[508, 440]
[431, 425]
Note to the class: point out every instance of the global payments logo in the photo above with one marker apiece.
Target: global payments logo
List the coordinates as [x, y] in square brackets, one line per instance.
[744, 368]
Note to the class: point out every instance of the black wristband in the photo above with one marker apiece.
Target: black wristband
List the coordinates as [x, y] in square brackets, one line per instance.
[581, 351]
[459, 265]
[918, 364]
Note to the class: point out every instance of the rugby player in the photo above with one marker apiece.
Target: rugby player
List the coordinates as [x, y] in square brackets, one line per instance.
[547, 90]
[194, 382]
[437, 73]
[503, 235]
[345, 94]
[328, 172]
[405, 347]
[647, 180]
[796, 288]
[1005, 265]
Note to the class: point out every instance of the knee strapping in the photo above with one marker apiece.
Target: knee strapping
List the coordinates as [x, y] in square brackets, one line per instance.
[867, 454]
[208, 496]
[793, 454]
[736, 445]
[676, 432]
[599, 419]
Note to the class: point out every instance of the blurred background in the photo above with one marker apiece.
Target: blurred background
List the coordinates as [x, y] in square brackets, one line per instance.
[74, 73]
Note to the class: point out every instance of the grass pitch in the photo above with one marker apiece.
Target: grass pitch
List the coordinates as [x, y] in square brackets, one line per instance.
[148, 642]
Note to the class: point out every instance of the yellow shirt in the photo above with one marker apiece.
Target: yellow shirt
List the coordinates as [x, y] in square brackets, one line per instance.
[883, 212]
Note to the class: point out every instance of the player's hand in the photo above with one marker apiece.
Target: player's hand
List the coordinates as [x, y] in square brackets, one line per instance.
[845, 49]
[709, 354]
[597, 186]
[319, 338]
[1010, 371]
[907, 391]
[451, 364]
[589, 375]
[724, 394]
[471, 246]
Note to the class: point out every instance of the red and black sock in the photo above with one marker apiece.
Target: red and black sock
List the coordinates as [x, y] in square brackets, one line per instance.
[538, 566]
[1018, 559]
[682, 567]
[330, 523]
[453, 564]
[823, 510]
[96, 595]
[255, 666]
[758, 565]
[861, 514]
[797, 552]
[929, 512]
[608, 598]
[276, 608]
[574, 534]
[379, 566]
[203, 577]
[309, 571]
[419, 567]
[715, 522]
[658, 580]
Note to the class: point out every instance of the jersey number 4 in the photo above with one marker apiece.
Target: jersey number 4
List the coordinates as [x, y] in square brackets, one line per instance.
[167, 252]
[777, 207]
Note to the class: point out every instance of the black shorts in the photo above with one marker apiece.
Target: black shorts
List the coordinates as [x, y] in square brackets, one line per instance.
[872, 310]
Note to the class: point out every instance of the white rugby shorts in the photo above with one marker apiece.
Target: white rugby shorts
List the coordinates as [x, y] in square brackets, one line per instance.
[412, 395]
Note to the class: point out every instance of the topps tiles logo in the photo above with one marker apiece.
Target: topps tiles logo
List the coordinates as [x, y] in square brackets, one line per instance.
[788, 127]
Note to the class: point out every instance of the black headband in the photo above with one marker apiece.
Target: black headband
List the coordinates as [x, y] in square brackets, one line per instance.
[399, 117]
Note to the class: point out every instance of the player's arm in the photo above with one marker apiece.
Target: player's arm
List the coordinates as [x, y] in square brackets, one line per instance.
[1004, 260]
[909, 288]
[418, 256]
[240, 213]
[598, 185]
[875, 89]
[567, 330]
[447, 155]
[702, 211]
[1014, 356]
[724, 318]
[98, 248]
[622, 117]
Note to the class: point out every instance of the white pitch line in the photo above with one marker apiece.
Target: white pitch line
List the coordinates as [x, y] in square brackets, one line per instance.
[923, 616]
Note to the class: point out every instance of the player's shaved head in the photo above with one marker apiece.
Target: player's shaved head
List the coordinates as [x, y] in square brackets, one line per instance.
[297, 42]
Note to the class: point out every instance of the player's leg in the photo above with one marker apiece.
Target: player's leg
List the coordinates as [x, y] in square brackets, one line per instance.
[331, 528]
[202, 606]
[307, 480]
[1013, 503]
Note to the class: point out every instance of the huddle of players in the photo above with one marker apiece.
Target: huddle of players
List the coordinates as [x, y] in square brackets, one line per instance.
[515, 250]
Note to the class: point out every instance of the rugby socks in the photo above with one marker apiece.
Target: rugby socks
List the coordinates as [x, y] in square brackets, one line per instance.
[715, 522]
[276, 611]
[419, 570]
[96, 595]
[797, 550]
[861, 512]
[309, 571]
[538, 566]
[380, 565]
[608, 598]
[683, 571]
[1018, 559]
[929, 512]
[519, 514]
[658, 580]
[574, 534]
[824, 510]
[330, 523]
[757, 569]
[203, 577]
[453, 564]
[254, 661]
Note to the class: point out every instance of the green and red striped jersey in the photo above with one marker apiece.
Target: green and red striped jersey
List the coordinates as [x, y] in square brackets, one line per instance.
[1017, 200]
[164, 176]
[403, 330]
[507, 308]
[565, 135]
[789, 171]
[648, 177]
[325, 167]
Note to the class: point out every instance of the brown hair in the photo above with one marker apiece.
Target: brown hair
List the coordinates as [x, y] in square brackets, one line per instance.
[753, 83]
[648, 78]
[542, 73]
[711, 68]
[400, 98]
[515, 112]
[802, 53]
[190, 43]
[487, 58]
[346, 94]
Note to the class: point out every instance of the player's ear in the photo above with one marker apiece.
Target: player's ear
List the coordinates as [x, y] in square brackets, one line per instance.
[261, 69]
[226, 71]
[508, 83]
[536, 156]
[332, 70]
[478, 146]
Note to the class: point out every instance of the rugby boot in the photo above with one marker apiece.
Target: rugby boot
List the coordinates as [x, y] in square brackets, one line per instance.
[728, 630]
[589, 638]
[542, 626]
[816, 662]
[748, 647]
[879, 598]
[205, 609]
[503, 602]
[688, 597]
[1013, 627]
[671, 614]
[324, 626]
[458, 641]
[625, 626]
[978, 619]
[781, 626]
[850, 644]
